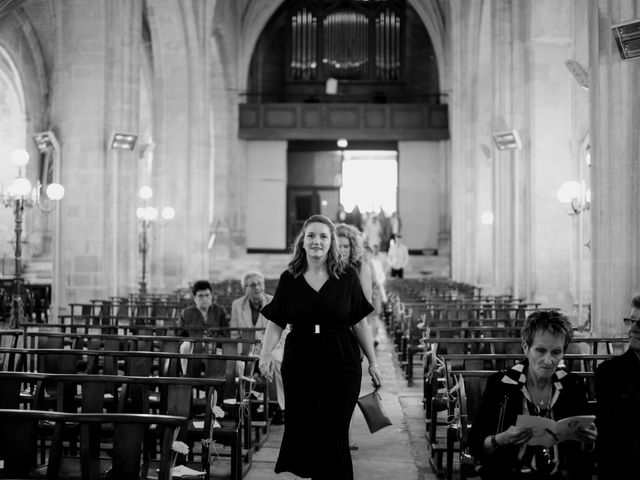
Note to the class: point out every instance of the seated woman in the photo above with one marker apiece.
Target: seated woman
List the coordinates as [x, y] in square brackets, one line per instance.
[534, 387]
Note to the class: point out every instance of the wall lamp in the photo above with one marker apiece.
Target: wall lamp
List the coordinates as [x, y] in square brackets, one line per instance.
[46, 141]
[575, 196]
[123, 141]
[626, 36]
[507, 140]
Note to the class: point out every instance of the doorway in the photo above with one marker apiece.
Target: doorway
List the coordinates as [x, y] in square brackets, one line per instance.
[302, 202]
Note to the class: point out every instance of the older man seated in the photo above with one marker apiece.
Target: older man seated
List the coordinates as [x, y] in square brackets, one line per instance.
[245, 313]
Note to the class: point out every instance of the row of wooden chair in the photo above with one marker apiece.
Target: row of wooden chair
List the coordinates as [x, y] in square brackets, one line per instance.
[19, 432]
[141, 364]
[461, 338]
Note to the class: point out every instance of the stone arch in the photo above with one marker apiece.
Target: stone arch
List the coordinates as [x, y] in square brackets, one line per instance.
[256, 15]
[23, 58]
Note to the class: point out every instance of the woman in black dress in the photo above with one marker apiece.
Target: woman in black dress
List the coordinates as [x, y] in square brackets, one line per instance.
[323, 301]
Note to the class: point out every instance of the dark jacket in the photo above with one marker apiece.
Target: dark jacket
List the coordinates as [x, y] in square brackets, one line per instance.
[503, 396]
[191, 317]
[618, 417]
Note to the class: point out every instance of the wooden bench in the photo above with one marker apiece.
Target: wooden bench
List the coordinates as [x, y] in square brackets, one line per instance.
[176, 396]
[144, 363]
[18, 444]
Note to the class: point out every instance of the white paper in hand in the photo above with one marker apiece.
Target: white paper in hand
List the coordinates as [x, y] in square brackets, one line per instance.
[548, 432]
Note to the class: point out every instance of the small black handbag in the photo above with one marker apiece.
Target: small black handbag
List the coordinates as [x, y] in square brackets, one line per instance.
[374, 415]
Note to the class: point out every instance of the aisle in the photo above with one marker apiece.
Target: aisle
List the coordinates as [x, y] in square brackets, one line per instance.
[395, 452]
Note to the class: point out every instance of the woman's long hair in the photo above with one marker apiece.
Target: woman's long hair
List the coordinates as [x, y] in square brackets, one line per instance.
[353, 235]
[334, 263]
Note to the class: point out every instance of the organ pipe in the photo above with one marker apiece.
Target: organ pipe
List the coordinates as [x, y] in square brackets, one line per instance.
[350, 41]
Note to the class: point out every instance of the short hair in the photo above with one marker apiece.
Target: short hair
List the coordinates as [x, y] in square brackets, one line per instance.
[201, 285]
[354, 236]
[635, 301]
[334, 263]
[250, 273]
[551, 321]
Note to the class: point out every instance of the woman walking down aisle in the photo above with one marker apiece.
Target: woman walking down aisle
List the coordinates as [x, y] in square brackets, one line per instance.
[323, 301]
[351, 246]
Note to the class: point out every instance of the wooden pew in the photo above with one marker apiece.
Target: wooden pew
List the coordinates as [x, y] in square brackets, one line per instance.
[498, 345]
[128, 329]
[163, 395]
[9, 339]
[18, 444]
[236, 392]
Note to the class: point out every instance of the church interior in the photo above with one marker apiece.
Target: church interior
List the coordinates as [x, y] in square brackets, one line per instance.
[147, 144]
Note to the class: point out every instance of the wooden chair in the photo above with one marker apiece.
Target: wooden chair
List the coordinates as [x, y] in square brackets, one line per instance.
[9, 339]
[18, 443]
[468, 465]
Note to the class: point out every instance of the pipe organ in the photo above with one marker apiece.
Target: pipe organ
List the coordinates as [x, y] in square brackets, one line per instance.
[346, 40]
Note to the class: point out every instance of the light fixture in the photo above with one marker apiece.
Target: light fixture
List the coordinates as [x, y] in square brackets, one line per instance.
[46, 141]
[487, 218]
[342, 143]
[168, 213]
[145, 192]
[627, 38]
[18, 196]
[507, 140]
[123, 141]
[578, 72]
[575, 196]
[148, 214]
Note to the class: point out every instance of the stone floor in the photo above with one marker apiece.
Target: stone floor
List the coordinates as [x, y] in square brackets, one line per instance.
[395, 452]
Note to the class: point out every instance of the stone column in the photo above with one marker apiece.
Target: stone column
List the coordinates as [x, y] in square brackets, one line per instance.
[124, 22]
[94, 93]
[615, 116]
[78, 84]
[555, 101]
[489, 95]
[182, 158]
[466, 23]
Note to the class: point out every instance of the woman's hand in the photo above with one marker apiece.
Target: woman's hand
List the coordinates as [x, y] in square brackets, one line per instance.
[514, 436]
[374, 372]
[267, 366]
[587, 434]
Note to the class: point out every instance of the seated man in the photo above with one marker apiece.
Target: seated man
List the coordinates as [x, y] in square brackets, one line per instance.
[618, 407]
[245, 313]
[200, 318]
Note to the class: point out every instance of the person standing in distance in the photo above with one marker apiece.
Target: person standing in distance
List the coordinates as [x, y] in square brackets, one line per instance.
[398, 257]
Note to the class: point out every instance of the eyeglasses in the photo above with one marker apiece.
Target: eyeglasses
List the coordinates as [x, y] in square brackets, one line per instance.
[255, 285]
[630, 321]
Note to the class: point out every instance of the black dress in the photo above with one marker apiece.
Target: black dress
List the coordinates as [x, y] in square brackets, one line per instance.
[321, 372]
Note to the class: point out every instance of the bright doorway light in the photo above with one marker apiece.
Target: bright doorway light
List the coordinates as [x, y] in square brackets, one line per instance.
[369, 180]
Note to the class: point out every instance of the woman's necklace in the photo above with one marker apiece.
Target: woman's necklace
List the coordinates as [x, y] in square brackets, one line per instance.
[541, 398]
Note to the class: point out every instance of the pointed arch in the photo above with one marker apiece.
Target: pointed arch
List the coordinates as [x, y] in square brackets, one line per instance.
[255, 16]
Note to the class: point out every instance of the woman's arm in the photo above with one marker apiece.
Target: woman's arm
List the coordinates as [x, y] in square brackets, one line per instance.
[482, 439]
[271, 336]
[366, 281]
[363, 334]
